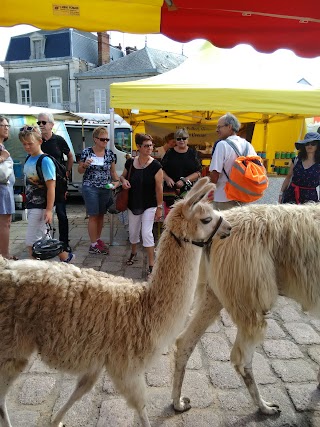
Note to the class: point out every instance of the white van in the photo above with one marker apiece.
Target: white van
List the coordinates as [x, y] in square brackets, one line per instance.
[80, 134]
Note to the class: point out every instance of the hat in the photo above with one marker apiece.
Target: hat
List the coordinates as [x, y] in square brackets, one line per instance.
[310, 136]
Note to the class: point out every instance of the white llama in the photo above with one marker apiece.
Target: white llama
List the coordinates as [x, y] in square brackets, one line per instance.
[272, 250]
[81, 321]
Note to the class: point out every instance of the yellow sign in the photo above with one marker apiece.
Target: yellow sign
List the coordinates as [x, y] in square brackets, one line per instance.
[66, 10]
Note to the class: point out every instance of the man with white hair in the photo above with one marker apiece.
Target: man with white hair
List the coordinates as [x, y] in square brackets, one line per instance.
[56, 146]
[223, 157]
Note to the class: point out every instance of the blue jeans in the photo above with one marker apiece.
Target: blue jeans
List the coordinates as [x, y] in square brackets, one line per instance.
[96, 199]
[63, 222]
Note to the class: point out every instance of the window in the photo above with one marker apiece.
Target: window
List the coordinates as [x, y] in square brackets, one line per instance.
[37, 46]
[100, 101]
[54, 91]
[24, 91]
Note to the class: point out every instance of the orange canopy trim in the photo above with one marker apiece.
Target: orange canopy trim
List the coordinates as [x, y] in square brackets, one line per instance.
[267, 26]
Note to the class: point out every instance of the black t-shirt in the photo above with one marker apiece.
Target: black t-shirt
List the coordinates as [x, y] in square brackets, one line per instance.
[56, 146]
[142, 194]
[177, 164]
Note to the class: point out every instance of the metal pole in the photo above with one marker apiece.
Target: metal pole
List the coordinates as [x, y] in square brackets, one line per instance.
[111, 136]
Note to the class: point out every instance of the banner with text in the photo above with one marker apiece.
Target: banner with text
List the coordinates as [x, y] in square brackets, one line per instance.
[201, 136]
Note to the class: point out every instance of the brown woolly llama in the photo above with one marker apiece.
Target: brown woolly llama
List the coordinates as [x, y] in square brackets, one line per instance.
[272, 250]
[81, 321]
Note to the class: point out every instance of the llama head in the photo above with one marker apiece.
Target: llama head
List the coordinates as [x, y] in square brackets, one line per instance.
[194, 218]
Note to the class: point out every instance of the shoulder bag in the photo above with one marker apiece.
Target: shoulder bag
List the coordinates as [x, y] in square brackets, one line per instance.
[122, 195]
[6, 169]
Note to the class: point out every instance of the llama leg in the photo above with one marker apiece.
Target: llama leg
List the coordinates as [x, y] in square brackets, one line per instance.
[8, 372]
[133, 387]
[241, 356]
[84, 385]
[206, 311]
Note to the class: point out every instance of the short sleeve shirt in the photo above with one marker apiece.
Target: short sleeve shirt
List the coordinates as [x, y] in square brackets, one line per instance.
[36, 191]
[56, 146]
[98, 173]
[223, 158]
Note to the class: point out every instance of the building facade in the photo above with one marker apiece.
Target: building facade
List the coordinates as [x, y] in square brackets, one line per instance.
[39, 68]
[72, 70]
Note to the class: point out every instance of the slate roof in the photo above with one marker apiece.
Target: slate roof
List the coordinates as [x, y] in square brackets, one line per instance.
[63, 43]
[146, 61]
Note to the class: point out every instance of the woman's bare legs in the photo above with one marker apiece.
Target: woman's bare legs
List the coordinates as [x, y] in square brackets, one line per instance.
[95, 226]
[5, 222]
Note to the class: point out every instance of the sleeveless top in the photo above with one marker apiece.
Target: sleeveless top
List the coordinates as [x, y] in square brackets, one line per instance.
[302, 188]
[142, 194]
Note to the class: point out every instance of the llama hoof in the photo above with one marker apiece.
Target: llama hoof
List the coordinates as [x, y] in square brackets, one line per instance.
[183, 404]
[269, 408]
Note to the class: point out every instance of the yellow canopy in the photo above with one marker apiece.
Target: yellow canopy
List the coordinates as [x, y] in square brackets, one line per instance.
[134, 16]
[211, 83]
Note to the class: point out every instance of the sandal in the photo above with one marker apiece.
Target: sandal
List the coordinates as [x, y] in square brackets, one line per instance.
[149, 271]
[132, 258]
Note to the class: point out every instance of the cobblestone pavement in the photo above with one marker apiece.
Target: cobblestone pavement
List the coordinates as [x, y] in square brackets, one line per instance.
[285, 365]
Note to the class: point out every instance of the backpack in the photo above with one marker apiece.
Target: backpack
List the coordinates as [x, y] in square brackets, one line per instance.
[248, 177]
[61, 178]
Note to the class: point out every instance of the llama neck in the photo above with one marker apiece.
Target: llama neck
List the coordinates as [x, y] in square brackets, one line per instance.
[172, 288]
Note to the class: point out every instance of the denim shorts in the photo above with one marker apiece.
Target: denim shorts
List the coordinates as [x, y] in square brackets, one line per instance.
[97, 200]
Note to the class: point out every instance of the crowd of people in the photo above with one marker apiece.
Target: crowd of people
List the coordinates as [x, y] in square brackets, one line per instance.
[153, 184]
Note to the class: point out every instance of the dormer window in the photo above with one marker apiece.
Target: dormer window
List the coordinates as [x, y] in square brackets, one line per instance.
[37, 45]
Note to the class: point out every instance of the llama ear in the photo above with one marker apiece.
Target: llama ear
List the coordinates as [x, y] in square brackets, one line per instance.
[200, 191]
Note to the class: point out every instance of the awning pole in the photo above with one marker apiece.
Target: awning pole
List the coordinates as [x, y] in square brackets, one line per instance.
[111, 147]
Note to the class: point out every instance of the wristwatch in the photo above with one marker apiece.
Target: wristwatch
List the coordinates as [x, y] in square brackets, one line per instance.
[182, 178]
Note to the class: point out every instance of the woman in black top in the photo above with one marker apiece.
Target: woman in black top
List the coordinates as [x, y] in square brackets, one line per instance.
[181, 166]
[145, 197]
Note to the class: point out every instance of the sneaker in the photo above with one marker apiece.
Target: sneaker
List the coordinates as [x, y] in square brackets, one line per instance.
[101, 244]
[67, 248]
[98, 250]
[70, 259]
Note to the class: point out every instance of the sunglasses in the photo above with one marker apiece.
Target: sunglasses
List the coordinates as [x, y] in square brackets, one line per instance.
[313, 143]
[41, 122]
[27, 129]
[103, 139]
[182, 138]
[147, 145]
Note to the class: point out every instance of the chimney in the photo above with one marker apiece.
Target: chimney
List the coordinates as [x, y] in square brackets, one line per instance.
[103, 48]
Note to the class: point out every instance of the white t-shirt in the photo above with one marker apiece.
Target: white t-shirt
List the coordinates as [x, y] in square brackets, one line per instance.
[223, 158]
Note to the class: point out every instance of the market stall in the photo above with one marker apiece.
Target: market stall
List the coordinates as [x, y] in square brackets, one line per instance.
[211, 83]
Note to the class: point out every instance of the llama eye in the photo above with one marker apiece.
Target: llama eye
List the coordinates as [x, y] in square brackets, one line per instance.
[206, 220]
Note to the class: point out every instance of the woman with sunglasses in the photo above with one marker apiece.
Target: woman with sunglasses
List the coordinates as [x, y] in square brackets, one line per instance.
[6, 192]
[300, 184]
[145, 197]
[181, 167]
[97, 163]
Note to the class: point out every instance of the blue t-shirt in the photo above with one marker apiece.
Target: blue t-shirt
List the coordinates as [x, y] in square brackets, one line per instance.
[36, 192]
